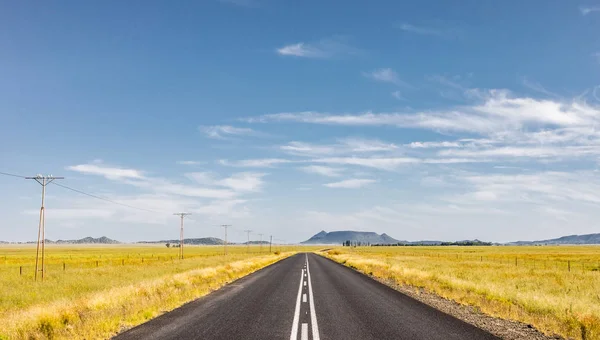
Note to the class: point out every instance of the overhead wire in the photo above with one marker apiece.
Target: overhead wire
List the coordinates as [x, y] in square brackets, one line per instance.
[107, 200]
[111, 201]
[13, 175]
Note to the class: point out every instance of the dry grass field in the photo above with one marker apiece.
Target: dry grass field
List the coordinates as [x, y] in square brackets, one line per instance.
[96, 291]
[556, 289]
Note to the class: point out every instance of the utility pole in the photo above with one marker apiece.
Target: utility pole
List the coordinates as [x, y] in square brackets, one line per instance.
[182, 215]
[248, 244]
[43, 180]
[260, 242]
[270, 243]
[225, 242]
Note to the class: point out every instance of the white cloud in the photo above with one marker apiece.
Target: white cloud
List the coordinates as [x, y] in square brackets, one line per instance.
[189, 162]
[420, 29]
[225, 131]
[386, 75]
[256, 163]
[398, 95]
[351, 183]
[387, 163]
[238, 182]
[108, 172]
[587, 10]
[537, 87]
[497, 111]
[326, 48]
[135, 178]
[243, 182]
[303, 50]
[301, 148]
[323, 170]
[367, 145]
[428, 145]
[344, 146]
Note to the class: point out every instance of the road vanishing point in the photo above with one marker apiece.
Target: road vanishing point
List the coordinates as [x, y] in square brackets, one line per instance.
[306, 296]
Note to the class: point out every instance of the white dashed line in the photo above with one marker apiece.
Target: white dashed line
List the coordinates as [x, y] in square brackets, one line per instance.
[303, 297]
[304, 333]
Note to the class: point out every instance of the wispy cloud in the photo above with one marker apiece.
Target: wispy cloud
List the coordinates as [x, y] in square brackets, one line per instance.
[343, 146]
[323, 170]
[106, 171]
[241, 3]
[398, 95]
[255, 163]
[226, 131]
[438, 29]
[238, 182]
[326, 48]
[420, 29]
[537, 87]
[189, 162]
[386, 75]
[585, 10]
[351, 183]
[157, 184]
[497, 110]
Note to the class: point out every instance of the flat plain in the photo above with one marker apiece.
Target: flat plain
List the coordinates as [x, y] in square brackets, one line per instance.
[554, 288]
[95, 291]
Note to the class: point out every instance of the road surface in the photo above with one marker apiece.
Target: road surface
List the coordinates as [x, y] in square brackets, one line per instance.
[305, 297]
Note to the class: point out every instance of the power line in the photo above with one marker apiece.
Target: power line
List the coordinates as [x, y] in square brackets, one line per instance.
[107, 200]
[13, 175]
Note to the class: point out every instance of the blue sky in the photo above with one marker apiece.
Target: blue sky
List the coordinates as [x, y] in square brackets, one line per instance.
[429, 120]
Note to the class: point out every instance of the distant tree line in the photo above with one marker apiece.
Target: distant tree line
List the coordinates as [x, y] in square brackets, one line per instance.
[356, 244]
[460, 243]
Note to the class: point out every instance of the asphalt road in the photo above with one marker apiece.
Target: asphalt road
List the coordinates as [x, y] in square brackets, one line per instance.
[305, 297]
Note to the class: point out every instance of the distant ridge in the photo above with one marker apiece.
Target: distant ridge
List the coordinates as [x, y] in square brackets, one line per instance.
[571, 239]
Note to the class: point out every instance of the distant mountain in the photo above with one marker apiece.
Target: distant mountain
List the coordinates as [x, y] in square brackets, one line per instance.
[571, 239]
[207, 241]
[86, 240]
[339, 237]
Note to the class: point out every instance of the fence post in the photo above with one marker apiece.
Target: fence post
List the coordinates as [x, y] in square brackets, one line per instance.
[515, 261]
[569, 263]
[481, 259]
[142, 260]
[64, 266]
[20, 270]
[96, 263]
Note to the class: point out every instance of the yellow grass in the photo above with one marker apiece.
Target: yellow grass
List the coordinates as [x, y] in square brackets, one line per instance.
[538, 289]
[105, 289]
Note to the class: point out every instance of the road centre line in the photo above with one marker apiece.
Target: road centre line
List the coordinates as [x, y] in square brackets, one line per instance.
[313, 313]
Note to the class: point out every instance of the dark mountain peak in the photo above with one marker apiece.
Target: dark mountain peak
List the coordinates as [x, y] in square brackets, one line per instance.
[339, 237]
